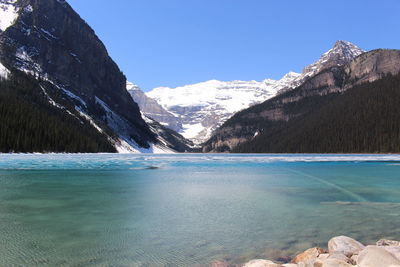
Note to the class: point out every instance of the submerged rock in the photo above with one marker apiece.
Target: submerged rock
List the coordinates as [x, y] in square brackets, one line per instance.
[345, 245]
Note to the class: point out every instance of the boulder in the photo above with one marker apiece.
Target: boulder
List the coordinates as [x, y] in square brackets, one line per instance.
[353, 259]
[394, 250]
[344, 245]
[331, 263]
[386, 242]
[373, 256]
[323, 256]
[308, 256]
[339, 256]
[261, 263]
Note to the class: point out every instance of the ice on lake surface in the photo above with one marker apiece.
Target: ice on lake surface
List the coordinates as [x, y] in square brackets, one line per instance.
[188, 210]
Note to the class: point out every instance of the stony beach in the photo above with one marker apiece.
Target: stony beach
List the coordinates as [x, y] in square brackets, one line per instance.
[342, 251]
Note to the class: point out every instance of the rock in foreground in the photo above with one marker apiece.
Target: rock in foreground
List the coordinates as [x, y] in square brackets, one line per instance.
[343, 251]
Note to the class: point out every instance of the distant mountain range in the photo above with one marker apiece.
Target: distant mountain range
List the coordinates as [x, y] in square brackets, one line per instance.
[197, 110]
[201, 108]
[61, 92]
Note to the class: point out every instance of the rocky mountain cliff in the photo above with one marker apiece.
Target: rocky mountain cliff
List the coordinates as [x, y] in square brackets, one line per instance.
[342, 53]
[152, 109]
[48, 40]
[274, 120]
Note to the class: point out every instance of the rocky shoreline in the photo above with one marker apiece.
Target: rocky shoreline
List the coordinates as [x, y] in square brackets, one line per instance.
[342, 251]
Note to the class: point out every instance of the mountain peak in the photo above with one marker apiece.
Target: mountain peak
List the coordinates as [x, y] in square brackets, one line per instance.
[131, 86]
[345, 50]
[341, 43]
[342, 53]
[291, 75]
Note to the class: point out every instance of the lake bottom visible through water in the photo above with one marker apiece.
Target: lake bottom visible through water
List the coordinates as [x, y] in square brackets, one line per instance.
[189, 210]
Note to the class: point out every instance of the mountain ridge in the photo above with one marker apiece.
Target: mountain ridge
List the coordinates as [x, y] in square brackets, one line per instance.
[48, 40]
[284, 109]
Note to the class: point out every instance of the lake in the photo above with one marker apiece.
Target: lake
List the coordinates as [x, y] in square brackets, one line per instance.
[188, 210]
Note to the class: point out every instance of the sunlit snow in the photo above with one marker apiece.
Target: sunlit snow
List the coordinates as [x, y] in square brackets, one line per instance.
[3, 71]
[202, 107]
[8, 13]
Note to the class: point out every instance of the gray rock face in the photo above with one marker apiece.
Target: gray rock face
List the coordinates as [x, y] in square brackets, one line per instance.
[169, 138]
[373, 66]
[152, 109]
[50, 41]
[55, 38]
[341, 54]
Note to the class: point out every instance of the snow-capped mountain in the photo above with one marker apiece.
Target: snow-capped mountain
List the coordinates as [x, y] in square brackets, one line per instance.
[47, 40]
[203, 107]
[342, 53]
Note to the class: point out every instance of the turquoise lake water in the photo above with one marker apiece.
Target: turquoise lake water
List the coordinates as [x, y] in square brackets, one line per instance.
[188, 210]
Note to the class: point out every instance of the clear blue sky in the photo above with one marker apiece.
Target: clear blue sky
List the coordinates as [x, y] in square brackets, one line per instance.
[177, 42]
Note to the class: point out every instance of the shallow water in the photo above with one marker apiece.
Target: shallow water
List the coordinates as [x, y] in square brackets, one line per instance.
[188, 210]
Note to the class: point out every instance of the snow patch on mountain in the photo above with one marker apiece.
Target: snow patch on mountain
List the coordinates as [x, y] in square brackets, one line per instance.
[25, 62]
[49, 34]
[131, 86]
[231, 96]
[4, 72]
[191, 131]
[28, 9]
[8, 13]
[123, 143]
